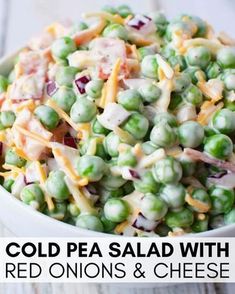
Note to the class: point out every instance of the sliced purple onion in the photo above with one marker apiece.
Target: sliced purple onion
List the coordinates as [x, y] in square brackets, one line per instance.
[51, 88]
[81, 83]
[139, 21]
[134, 174]
[70, 141]
[227, 180]
[143, 224]
[91, 189]
[218, 175]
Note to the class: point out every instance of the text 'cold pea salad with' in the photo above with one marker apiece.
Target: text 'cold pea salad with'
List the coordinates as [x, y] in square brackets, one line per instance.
[123, 124]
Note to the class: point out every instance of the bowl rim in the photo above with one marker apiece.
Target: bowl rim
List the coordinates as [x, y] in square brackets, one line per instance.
[7, 61]
[89, 233]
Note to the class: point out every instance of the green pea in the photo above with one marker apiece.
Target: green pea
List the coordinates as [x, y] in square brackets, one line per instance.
[11, 77]
[111, 182]
[7, 118]
[200, 225]
[222, 199]
[201, 26]
[1, 125]
[166, 118]
[8, 184]
[148, 147]
[229, 218]
[65, 98]
[167, 171]
[108, 225]
[178, 25]
[192, 95]
[73, 209]
[47, 116]
[110, 9]
[33, 195]
[116, 31]
[216, 221]
[226, 57]
[3, 84]
[202, 196]
[168, 51]
[130, 99]
[62, 47]
[83, 110]
[111, 143]
[65, 75]
[128, 187]
[199, 56]
[158, 18]
[137, 125]
[178, 60]
[97, 128]
[181, 82]
[229, 82]
[219, 146]
[149, 67]
[91, 166]
[147, 50]
[163, 135]
[182, 218]
[188, 166]
[147, 184]
[150, 93]
[173, 195]
[228, 100]
[94, 88]
[116, 210]
[89, 222]
[209, 131]
[190, 134]
[162, 230]
[224, 121]
[153, 207]
[56, 186]
[213, 70]
[127, 158]
[100, 151]
[124, 10]
[59, 212]
[13, 159]
[192, 70]
[106, 194]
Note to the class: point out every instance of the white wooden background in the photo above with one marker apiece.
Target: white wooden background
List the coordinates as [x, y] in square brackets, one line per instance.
[21, 19]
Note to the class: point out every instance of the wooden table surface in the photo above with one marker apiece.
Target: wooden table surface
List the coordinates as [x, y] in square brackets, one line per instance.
[21, 19]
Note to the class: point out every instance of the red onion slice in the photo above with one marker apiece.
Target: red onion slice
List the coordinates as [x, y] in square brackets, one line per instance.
[70, 141]
[200, 156]
[228, 180]
[218, 175]
[134, 174]
[81, 83]
[143, 224]
[51, 88]
[139, 21]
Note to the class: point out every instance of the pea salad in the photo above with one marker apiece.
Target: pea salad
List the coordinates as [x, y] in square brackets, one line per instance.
[123, 123]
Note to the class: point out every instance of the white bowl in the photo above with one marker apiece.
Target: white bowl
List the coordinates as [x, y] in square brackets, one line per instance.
[23, 221]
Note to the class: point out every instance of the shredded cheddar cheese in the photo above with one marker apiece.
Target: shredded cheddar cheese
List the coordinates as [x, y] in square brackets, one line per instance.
[62, 114]
[43, 177]
[202, 207]
[208, 108]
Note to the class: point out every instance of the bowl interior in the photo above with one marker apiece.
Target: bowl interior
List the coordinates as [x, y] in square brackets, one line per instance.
[33, 223]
